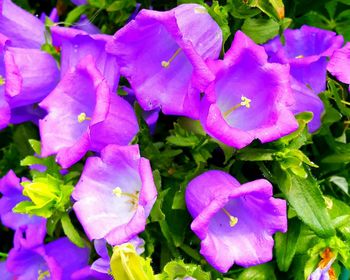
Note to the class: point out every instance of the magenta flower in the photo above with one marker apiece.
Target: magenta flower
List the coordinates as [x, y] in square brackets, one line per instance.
[11, 191]
[92, 117]
[29, 259]
[23, 29]
[115, 194]
[249, 99]
[76, 44]
[339, 63]
[235, 222]
[163, 56]
[306, 51]
[5, 112]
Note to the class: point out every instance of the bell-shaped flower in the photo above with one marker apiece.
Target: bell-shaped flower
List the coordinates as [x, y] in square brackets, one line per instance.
[339, 63]
[91, 117]
[59, 259]
[163, 54]
[306, 51]
[234, 222]
[249, 99]
[11, 191]
[76, 44]
[86, 25]
[115, 194]
[24, 29]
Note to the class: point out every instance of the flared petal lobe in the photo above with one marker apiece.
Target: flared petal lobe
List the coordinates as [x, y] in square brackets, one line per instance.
[115, 194]
[339, 64]
[236, 219]
[75, 45]
[173, 47]
[249, 99]
[24, 29]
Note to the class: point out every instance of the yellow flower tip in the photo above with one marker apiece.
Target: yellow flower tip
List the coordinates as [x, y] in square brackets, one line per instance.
[118, 192]
[245, 101]
[233, 221]
[42, 275]
[165, 64]
[82, 117]
[2, 80]
[299, 56]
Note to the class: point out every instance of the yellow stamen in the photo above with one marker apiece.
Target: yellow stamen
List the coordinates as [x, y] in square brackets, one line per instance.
[82, 117]
[118, 192]
[2, 80]
[233, 219]
[134, 197]
[42, 275]
[166, 64]
[299, 56]
[245, 103]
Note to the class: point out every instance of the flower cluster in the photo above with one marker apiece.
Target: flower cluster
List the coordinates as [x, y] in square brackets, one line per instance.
[172, 63]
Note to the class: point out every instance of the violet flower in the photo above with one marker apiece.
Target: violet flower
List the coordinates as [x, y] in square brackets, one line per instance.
[76, 44]
[11, 191]
[234, 222]
[339, 63]
[24, 29]
[115, 194]
[163, 54]
[92, 117]
[86, 25]
[306, 51]
[5, 112]
[56, 260]
[249, 99]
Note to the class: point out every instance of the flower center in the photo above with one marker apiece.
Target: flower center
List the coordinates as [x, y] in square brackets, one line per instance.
[2, 80]
[299, 56]
[166, 64]
[233, 219]
[245, 102]
[42, 275]
[134, 197]
[82, 117]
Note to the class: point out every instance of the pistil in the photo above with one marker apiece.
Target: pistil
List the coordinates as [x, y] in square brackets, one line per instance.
[233, 219]
[245, 102]
[42, 275]
[2, 80]
[134, 197]
[166, 64]
[82, 117]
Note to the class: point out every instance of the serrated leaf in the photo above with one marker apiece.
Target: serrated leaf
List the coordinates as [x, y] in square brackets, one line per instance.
[259, 272]
[285, 244]
[305, 196]
[70, 231]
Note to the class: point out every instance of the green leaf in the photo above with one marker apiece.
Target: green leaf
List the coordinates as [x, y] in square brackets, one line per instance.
[273, 8]
[75, 14]
[305, 197]
[97, 3]
[340, 182]
[285, 244]
[70, 231]
[260, 30]
[239, 9]
[256, 154]
[220, 15]
[259, 272]
[179, 270]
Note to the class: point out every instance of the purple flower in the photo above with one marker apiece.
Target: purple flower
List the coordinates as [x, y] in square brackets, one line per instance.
[163, 56]
[115, 194]
[77, 44]
[306, 51]
[56, 260]
[91, 117]
[11, 191]
[5, 274]
[24, 29]
[249, 99]
[5, 112]
[235, 222]
[339, 63]
[79, 2]
[53, 16]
